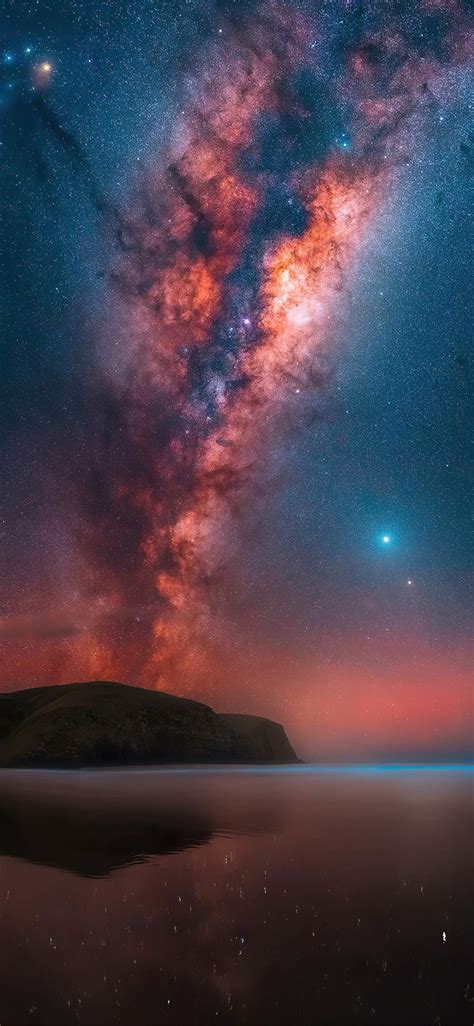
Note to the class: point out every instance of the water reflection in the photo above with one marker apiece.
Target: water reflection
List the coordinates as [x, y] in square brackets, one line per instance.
[92, 823]
[244, 899]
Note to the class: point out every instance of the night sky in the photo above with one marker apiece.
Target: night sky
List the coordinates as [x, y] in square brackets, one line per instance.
[235, 320]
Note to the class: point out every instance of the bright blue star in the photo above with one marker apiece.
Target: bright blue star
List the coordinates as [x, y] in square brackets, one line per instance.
[386, 539]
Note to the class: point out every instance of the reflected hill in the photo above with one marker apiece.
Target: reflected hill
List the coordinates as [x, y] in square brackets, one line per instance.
[91, 846]
[92, 823]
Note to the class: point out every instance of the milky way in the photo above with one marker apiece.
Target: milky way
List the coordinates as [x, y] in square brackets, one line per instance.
[229, 277]
[230, 256]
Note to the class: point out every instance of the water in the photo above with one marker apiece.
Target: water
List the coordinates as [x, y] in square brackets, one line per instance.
[193, 897]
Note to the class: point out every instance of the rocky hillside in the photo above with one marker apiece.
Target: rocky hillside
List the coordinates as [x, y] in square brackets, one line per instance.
[103, 723]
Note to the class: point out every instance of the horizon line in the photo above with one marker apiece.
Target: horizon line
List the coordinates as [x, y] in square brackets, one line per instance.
[248, 768]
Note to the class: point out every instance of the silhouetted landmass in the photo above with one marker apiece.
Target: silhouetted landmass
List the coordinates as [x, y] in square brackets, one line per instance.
[103, 723]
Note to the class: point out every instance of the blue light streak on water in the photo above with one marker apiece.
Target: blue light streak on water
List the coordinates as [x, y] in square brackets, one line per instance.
[343, 769]
[315, 768]
[396, 767]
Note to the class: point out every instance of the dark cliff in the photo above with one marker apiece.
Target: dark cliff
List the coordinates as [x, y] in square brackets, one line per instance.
[103, 723]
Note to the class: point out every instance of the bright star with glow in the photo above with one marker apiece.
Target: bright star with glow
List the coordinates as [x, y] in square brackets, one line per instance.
[386, 539]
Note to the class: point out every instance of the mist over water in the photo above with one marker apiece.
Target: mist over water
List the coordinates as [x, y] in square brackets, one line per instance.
[239, 897]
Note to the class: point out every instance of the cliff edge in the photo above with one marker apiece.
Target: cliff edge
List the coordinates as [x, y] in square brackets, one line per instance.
[105, 723]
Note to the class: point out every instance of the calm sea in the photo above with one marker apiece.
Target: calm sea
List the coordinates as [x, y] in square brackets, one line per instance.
[243, 897]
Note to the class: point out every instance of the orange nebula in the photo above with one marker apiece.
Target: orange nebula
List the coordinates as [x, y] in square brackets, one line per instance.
[223, 340]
